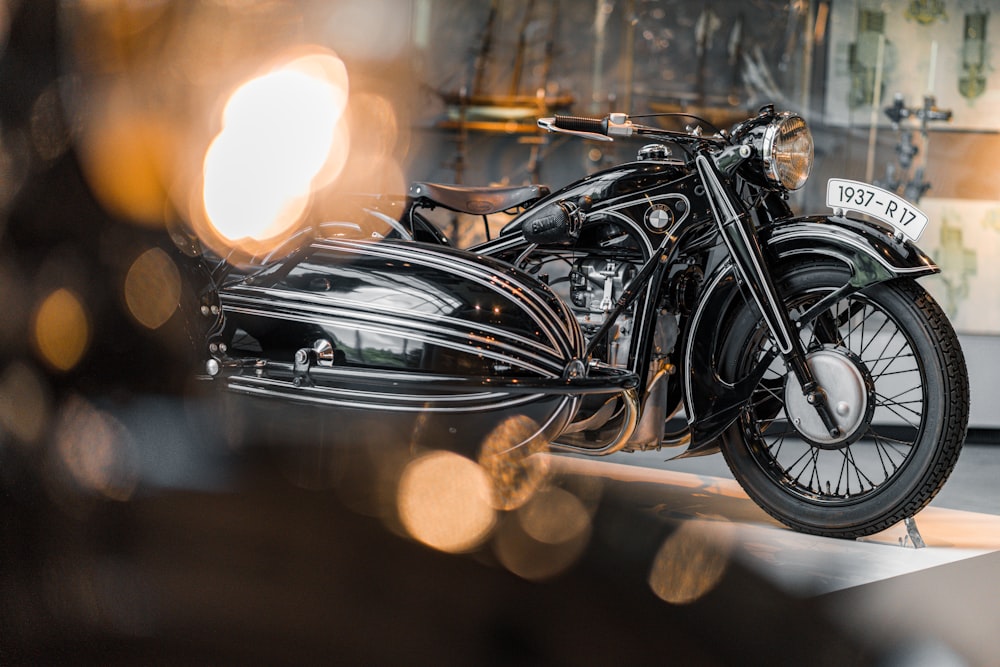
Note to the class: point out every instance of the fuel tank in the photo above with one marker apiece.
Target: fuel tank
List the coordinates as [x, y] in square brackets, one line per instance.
[625, 193]
[401, 339]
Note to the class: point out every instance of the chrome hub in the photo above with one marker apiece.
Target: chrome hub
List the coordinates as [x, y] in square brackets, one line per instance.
[847, 387]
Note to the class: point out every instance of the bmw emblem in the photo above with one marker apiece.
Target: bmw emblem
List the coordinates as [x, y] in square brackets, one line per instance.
[659, 217]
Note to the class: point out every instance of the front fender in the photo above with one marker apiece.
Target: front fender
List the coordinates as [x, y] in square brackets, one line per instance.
[871, 252]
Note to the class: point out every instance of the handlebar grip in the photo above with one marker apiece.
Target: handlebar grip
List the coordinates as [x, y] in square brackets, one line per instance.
[581, 124]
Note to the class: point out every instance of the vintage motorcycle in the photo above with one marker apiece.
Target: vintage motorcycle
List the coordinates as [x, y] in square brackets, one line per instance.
[671, 301]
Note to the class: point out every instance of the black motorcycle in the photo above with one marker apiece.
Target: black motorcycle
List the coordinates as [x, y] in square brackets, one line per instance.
[671, 301]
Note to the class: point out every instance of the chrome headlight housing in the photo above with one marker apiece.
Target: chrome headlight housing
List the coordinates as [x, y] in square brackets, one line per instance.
[787, 151]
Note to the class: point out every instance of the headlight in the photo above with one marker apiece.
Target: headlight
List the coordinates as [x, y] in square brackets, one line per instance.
[787, 151]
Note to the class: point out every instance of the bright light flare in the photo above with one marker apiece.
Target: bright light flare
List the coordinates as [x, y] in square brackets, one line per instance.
[280, 131]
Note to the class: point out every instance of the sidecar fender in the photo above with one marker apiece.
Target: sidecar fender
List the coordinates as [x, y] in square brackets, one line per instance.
[874, 256]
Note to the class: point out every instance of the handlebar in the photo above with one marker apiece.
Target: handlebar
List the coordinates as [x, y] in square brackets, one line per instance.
[617, 125]
[602, 129]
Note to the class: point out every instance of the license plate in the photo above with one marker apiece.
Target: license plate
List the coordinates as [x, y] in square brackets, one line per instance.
[846, 195]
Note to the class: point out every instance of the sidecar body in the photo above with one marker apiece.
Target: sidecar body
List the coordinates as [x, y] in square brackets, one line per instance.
[403, 340]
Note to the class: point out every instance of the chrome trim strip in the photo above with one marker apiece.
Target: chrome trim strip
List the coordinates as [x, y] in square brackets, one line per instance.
[377, 401]
[505, 284]
[460, 337]
[337, 306]
[461, 344]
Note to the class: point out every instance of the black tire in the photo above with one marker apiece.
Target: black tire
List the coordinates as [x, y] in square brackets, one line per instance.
[902, 445]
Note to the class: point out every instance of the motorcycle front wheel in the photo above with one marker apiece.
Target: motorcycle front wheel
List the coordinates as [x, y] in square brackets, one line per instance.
[896, 382]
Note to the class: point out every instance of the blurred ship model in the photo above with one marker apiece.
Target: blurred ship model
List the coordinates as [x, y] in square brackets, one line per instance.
[478, 106]
[719, 67]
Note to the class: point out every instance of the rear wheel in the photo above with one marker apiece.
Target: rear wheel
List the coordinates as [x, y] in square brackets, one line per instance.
[897, 386]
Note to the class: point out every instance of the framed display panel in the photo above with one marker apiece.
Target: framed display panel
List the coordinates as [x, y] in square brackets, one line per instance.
[963, 237]
[941, 48]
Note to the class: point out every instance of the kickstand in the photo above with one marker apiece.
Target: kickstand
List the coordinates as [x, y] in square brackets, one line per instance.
[912, 534]
[910, 539]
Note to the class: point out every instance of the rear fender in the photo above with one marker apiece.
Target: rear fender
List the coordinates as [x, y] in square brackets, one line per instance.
[872, 254]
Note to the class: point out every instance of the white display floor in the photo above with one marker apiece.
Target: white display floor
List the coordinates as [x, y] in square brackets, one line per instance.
[945, 593]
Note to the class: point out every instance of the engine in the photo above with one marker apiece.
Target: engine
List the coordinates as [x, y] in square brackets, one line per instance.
[595, 285]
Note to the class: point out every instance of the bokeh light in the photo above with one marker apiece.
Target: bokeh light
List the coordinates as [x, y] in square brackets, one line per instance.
[544, 537]
[444, 502]
[374, 121]
[376, 138]
[49, 133]
[61, 331]
[96, 450]
[152, 288]
[350, 26]
[24, 403]
[279, 132]
[127, 152]
[15, 295]
[691, 562]
[511, 456]
[15, 165]
[554, 516]
[5, 12]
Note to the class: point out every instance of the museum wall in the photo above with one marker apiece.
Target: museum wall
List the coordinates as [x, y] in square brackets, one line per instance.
[842, 64]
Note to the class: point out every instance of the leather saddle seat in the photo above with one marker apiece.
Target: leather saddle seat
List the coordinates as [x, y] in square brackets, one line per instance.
[477, 200]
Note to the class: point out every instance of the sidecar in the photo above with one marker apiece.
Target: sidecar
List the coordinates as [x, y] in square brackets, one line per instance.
[390, 339]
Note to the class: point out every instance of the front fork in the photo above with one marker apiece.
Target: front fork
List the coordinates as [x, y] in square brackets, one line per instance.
[733, 220]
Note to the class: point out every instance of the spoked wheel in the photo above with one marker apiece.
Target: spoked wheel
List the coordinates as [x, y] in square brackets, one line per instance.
[897, 386]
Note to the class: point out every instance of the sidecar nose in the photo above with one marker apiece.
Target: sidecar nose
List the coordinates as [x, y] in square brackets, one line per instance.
[408, 333]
